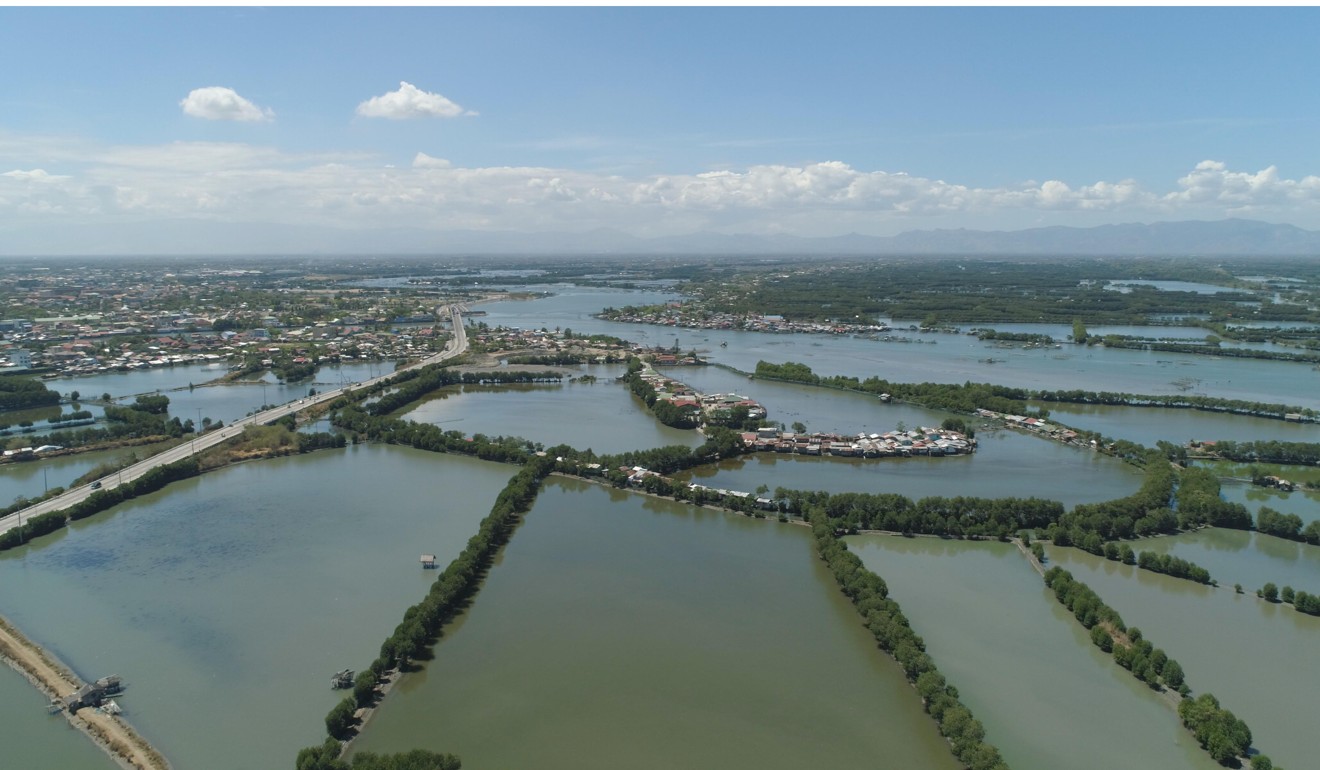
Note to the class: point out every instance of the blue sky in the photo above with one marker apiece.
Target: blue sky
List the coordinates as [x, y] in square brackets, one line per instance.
[657, 121]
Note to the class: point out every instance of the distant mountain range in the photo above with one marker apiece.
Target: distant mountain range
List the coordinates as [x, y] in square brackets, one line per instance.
[1221, 238]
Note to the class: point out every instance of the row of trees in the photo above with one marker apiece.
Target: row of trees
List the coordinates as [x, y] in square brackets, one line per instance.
[1287, 525]
[422, 623]
[885, 620]
[1300, 600]
[1114, 341]
[1281, 452]
[1219, 732]
[100, 500]
[1180, 401]
[410, 386]
[1157, 562]
[966, 398]
[24, 392]
[945, 516]
[326, 757]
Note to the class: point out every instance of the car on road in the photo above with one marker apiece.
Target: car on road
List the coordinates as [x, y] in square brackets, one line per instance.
[96, 485]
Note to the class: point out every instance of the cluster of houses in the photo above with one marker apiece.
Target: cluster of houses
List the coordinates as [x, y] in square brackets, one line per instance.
[713, 407]
[313, 344]
[688, 317]
[1033, 424]
[928, 442]
[92, 311]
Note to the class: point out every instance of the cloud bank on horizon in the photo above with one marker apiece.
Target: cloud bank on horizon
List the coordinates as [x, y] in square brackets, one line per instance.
[237, 182]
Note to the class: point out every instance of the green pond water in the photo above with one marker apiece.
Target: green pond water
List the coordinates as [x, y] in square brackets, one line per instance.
[1251, 559]
[1305, 503]
[1257, 658]
[33, 478]
[227, 601]
[1007, 464]
[1048, 698]
[35, 740]
[1149, 425]
[621, 631]
[604, 416]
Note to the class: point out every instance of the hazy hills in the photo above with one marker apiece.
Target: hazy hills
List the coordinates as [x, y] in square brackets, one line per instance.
[1228, 237]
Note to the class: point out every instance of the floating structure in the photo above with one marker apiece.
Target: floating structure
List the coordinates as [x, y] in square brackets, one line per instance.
[428, 561]
[927, 442]
[342, 680]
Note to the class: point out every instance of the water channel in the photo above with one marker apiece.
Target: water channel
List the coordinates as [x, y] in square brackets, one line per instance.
[1048, 697]
[621, 631]
[37, 740]
[226, 601]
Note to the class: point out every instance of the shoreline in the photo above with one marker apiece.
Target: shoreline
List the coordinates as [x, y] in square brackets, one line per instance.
[54, 679]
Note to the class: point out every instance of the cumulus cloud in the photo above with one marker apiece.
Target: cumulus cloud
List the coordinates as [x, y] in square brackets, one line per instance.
[241, 183]
[1212, 183]
[220, 103]
[422, 160]
[410, 102]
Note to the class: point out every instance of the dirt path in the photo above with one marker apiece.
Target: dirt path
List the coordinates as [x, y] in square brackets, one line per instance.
[54, 679]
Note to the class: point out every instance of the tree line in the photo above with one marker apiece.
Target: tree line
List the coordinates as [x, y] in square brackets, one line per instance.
[24, 392]
[946, 516]
[1287, 526]
[422, 623]
[1217, 730]
[100, 500]
[1300, 600]
[893, 633]
[969, 397]
[1280, 452]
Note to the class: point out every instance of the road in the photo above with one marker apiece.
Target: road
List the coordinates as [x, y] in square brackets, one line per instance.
[200, 443]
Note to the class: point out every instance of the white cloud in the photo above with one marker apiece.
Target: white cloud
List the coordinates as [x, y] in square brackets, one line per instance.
[35, 175]
[410, 102]
[1212, 183]
[422, 160]
[220, 103]
[242, 183]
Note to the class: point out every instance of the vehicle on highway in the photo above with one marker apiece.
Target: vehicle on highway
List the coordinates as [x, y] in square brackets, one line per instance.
[96, 485]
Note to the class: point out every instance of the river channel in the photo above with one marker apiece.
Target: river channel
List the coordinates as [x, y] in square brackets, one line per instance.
[227, 601]
[935, 357]
[1048, 697]
[622, 631]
